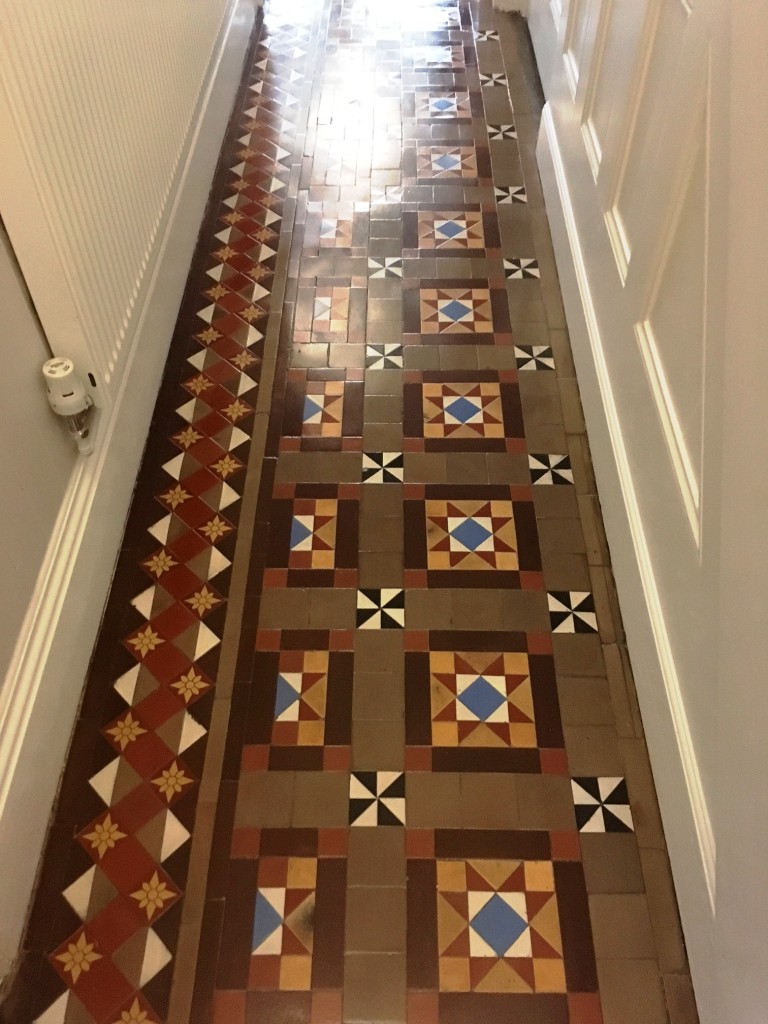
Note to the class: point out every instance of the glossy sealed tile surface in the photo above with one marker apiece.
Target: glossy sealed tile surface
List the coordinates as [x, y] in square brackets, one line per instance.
[350, 750]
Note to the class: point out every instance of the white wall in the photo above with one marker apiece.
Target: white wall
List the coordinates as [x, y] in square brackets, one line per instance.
[653, 165]
[112, 118]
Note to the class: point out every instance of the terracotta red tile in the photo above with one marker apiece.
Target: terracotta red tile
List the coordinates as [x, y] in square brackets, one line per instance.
[565, 845]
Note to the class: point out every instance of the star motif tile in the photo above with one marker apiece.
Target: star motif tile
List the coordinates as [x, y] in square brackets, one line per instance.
[451, 230]
[455, 311]
[462, 410]
[385, 266]
[550, 469]
[380, 609]
[510, 194]
[498, 927]
[602, 805]
[572, 611]
[376, 798]
[443, 105]
[499, 132]
[470, 535]
[534, 357]
[494, 78]
[481, 699]
[383, 357]
[520, 269]
[446, 162]
[383, 467]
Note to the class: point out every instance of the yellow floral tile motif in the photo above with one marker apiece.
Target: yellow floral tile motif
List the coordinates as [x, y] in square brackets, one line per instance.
[215, 528]
[187, 437]
[135, 1015]
[498, 927]
[471, 535]
[217, 292]
[236, 410]
[153, 895]
[160, 563]
[126, 731]
[481, 699]
[224, 254]
[198, 384]
[104, 836]
[209, 335]
[203, 600]
[243, 359]
[225, 466]
[78, 957]
[176, 496]
[171, 781]
[146, 640]
[190, 685]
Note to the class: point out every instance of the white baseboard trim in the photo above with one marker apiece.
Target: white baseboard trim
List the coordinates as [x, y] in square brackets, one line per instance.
[687, 823]
[43, 688]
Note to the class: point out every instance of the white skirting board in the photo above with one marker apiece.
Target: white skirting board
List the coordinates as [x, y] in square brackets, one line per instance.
[44, 687]
[684, 812]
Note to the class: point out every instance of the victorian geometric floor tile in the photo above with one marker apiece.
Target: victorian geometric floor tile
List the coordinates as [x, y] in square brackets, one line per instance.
[353, 570]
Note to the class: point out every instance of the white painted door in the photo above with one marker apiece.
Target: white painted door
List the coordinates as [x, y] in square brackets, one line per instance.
[651, 151]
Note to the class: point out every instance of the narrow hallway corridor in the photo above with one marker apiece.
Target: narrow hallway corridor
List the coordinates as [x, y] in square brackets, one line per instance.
[360, 741]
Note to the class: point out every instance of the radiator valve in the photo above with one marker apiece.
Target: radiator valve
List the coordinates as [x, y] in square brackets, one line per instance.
[68, 397]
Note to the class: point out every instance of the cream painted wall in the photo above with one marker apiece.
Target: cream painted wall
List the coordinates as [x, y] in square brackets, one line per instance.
[653, 165]
[103, 205]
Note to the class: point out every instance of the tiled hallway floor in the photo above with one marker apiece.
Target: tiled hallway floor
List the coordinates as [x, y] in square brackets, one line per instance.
[360, 741]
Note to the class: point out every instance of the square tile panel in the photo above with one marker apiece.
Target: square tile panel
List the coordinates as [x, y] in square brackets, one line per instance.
[442, 105]
[508, 194]
[312, 538]
[455, 411]
[572, 611]
[534, 357]
[282, 938]
[551, 469]
[469, 708]
[466, 536]
[380, 609]
[459, 312]
[383, 467]
[323, 409]
[498, 927]
[301, 708]
[385, 266]
[383, 357]
[321, 412]
[450, 230]
[456, 311]
[520, 269]
[446, 162]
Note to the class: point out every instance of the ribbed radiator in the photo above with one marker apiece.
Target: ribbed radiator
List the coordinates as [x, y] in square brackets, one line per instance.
[98, 100]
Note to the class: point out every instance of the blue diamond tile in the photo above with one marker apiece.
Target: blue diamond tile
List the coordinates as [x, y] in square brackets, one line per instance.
[470, 534]
[447, 162]
[462, 410]
[299, 533]
[285, 696]
[266, 920]
[455, 309]
[450, 229]
[481, 699]
[498, 925]
[443, 104]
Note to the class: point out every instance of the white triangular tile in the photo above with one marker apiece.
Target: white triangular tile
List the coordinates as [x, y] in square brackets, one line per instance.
[174, 836]
[231, 201]
[270, 217]
[126, 684]
[174, 466]
[228, 496]
[254, 335]
[265, 253]
[238, 169]
[161, 528]
[207, 313]
[218, 270]
[187, 411]
[191, 731]
[78, 895]
[245, 384]
[56, 1012]
[282, 153]
[275, 185]
[206, 641]
[103, 782]
[198, 359]
[223, 236]
[143, 602]
[245, 139]
[218, 563]
[237, 438]
[156, 956]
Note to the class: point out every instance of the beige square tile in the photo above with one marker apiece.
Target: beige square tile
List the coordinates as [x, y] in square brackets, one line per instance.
[631, 992]
[584, 701]
[379, 696]
[332, 609]
[378, 745]
[545, 802]
[561, 536]
[593, 750]
[621, 926]
[665, 919]
[611, 862]
[433, 801]
[375, 920]
[428, 609]
[376, 857]
[321, 800]
[374, 648]
[424, 468]
[489, 800]
[374, 988]
[642, 794]
[557, 502]
[284, 609]
[380, 569]
[578, 655]
[265, 799]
